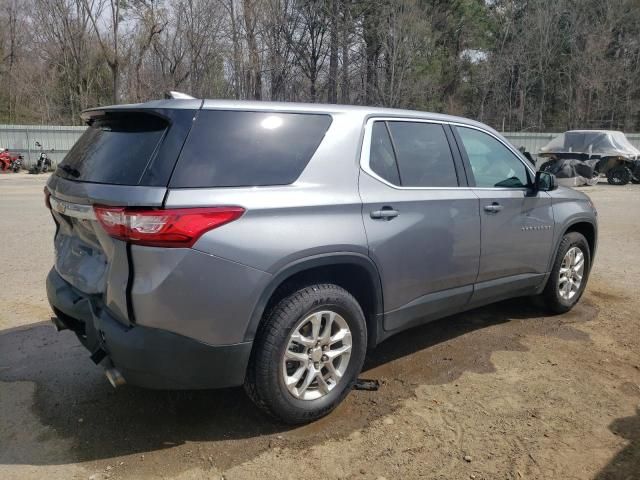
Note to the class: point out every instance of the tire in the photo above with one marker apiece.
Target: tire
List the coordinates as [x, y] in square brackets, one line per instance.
[619, 176]
[553, 299]
[546, 166]
[265, 381]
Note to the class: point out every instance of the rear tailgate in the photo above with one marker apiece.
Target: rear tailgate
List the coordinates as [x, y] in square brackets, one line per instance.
[125, 158]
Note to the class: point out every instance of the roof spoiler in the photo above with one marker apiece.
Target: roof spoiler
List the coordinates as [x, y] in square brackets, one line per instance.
[178, 96]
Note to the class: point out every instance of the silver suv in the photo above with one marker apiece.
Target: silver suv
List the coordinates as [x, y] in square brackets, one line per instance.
[206, 244]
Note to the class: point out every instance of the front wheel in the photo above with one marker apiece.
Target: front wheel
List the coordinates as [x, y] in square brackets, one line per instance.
[307, 354]
[569, 274]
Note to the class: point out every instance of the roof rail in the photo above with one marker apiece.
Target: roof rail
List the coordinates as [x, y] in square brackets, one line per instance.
[178, 96]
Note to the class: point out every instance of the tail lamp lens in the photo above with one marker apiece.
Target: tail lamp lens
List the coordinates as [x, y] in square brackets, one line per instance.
[179, 227]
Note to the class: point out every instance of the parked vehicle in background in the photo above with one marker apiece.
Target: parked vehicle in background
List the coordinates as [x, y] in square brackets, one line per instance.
[10, 161]
[585, 154]
[16, 164]
[205, 244]
[43, 164]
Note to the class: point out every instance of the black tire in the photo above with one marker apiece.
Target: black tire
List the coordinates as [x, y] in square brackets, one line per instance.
[619, 176]
[264, 383]
[546, 166]
[551, 295]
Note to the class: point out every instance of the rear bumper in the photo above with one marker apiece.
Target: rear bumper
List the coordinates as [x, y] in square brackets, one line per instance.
[147, 357]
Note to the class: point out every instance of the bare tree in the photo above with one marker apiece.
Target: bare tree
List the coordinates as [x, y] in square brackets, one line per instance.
[109, 41]
[515, 64]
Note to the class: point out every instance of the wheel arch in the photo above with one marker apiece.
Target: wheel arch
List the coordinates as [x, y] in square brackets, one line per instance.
[354, 272]
[588, 230]
[582, 225]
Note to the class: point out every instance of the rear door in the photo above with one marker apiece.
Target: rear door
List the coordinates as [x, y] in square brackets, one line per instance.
[516, 224]
[124, 158]
[423, 229]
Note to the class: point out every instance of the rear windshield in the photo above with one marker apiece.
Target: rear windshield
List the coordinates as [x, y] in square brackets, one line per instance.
[234, 149]
[115, 149]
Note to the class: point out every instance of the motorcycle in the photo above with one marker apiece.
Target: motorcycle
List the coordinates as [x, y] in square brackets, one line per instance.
[16, 165]
[43, 164]
[10, 162]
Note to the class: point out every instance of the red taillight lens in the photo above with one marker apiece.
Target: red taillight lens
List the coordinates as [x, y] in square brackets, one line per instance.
[179, 227]
[47, 197]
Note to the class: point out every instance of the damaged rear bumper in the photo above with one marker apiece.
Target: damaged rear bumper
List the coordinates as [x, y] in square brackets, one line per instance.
[146, 357]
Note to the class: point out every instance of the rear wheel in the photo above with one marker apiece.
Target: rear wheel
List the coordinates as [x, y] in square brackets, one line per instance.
[569, 274]
[619, 175]
[308, 354]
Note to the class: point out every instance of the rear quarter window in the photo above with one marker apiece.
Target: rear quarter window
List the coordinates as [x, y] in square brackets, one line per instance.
[235, 149]
[115, 149]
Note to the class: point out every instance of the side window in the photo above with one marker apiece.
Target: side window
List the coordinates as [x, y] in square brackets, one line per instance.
[227, 148]
[424, 156]
[382, 160]
[493, 164]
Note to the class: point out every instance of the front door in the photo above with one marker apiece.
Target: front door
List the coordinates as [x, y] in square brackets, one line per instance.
[423, 229]
[516, 224]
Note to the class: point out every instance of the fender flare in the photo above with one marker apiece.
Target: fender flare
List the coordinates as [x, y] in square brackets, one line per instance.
[322, 260]
[565, 228]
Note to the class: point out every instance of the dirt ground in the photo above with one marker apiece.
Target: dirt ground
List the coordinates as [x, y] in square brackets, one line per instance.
[502, 392]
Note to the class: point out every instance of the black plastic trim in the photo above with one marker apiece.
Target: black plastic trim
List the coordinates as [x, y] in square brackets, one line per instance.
[147, 357]
[308, 263]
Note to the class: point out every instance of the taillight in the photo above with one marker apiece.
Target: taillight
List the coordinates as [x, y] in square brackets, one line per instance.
[47, 198]
[179, 227]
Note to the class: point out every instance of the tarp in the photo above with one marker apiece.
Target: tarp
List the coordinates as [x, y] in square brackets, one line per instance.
[598, 143]
[574, 173]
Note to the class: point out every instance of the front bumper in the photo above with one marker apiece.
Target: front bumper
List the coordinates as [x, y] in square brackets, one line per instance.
[146, 357]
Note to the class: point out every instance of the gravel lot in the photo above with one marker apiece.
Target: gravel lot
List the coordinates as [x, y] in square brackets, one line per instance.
[502, 392]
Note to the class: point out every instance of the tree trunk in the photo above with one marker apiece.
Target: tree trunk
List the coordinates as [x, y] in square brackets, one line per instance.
[332, 94]
[371, 35]
[254, 75]
[346, 19]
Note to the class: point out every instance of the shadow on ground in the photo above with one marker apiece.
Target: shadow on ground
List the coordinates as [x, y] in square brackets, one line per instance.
[626, 464]
[68, 387]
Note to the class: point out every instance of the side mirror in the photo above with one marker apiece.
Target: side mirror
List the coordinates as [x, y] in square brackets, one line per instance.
[545, 182]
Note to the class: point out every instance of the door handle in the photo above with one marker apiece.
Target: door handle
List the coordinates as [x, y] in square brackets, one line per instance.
[386, 213]
[495, 207]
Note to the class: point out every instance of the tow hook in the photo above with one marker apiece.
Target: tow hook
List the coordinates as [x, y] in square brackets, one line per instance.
[115, 377]
[57, 323]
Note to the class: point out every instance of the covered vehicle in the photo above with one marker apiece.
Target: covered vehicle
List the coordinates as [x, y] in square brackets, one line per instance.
[578, 157]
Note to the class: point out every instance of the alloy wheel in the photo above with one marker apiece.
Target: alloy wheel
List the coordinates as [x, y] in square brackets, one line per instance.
[317, 355]
[571, 273]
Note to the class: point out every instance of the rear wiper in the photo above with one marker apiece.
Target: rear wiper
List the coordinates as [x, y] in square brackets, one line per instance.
[74, 172]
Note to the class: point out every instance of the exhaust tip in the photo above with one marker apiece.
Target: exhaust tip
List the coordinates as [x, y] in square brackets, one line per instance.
[115, 377]
[57, 323]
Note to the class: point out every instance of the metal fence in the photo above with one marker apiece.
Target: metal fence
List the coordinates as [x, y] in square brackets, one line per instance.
[54, 140]
[57, 140]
